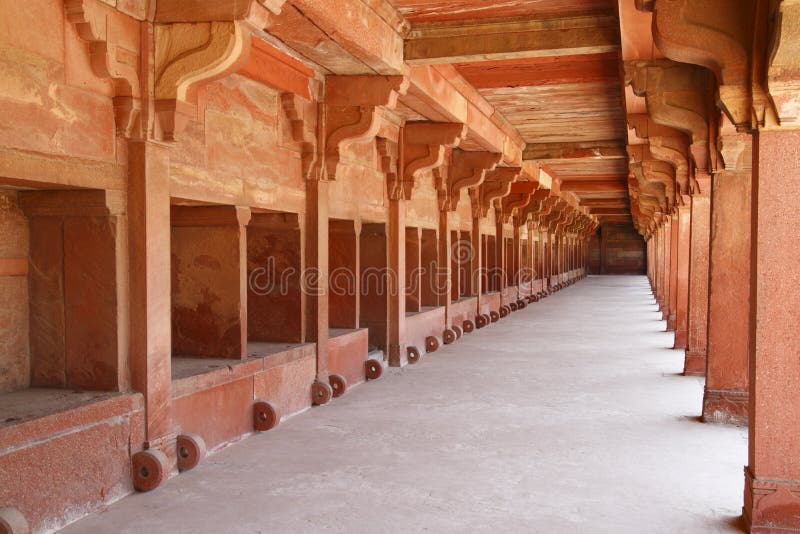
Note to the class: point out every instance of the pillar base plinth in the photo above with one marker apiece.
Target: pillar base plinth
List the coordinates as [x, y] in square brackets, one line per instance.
[725, 406]
[695, 363]
[672, 323]
[681, 339]
[771, 506]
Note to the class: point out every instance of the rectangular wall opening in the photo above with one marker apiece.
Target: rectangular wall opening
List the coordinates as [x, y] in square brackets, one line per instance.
[375, 284]
[274, 278]
[209, 282]
[432, 283]
[343, 266]
[413, 281]
[509, 267]
[63, 321]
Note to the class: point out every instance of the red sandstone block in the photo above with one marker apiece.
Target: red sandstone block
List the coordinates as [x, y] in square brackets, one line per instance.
[347, 353]
[287, 386]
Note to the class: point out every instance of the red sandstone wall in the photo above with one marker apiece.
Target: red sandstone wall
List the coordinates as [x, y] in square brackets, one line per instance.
[237, 152]
[622, 250]
[14, 356]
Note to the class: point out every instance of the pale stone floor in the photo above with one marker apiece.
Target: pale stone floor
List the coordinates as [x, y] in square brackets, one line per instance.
[570, 416]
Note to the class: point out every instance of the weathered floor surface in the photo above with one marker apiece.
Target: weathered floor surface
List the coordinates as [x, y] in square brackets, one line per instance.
[569, 416]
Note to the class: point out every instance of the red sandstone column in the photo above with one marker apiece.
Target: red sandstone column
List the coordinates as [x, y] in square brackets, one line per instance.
[316, 285]
[772, 487]
[396, 282]
[725, 399]
[666, 262]
[445, 267]
[682, 298]
[542, 266]
[672, 316]
[660, 266]
[475, 271]
[516, 264]
[150, 282]
[499, 255]
[695, 363]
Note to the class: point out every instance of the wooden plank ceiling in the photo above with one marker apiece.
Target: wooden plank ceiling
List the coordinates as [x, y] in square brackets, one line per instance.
[553, 69]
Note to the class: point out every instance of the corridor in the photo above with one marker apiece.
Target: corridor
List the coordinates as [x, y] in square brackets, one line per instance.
[569, 416]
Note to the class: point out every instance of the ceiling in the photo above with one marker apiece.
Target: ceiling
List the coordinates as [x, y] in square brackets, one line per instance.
[553, 69]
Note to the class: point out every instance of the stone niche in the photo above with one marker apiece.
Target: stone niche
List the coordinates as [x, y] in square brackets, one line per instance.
[490, 274]
[413, 282]
[209, 289]
[460, 266]
[510, 271]
[432, 284]
[61, 323]
[343, 265]
[377, 281]
[423, 282]
[274, 278]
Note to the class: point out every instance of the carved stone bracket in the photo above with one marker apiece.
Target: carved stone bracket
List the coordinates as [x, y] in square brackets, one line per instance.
[425, 146]
[666, 144]
[353, 111]
[497, 185]
[520, 198]
[677, 96]
[302, 122]
[387, 154]
[187, 54]
[468, 170]
[783, 68]
[699, 32]
[112, 57]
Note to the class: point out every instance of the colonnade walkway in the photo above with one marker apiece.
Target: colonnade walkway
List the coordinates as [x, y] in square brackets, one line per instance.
[568, 416]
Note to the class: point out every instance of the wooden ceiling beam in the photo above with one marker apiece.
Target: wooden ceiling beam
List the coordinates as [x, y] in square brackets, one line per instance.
[594, 186]
[476, 40]
[575, 150]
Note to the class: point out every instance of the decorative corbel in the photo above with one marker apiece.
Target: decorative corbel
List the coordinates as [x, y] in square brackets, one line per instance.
[522, 192]
[736, 148]
[783, 66]
[496, 186]
[677, 96]
[666, 144]
[353, 111]
[101, 27]
[186, 55]
[425, 146]
[302, 123]
[468, 169]
[652, 172]
[440, 179]
[700, 33]
[387, 154]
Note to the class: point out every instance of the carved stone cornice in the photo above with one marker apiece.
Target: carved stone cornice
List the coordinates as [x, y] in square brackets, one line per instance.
[215, 10]
[677, 96]
[468, 170]
[353, 113]
[425, 146]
